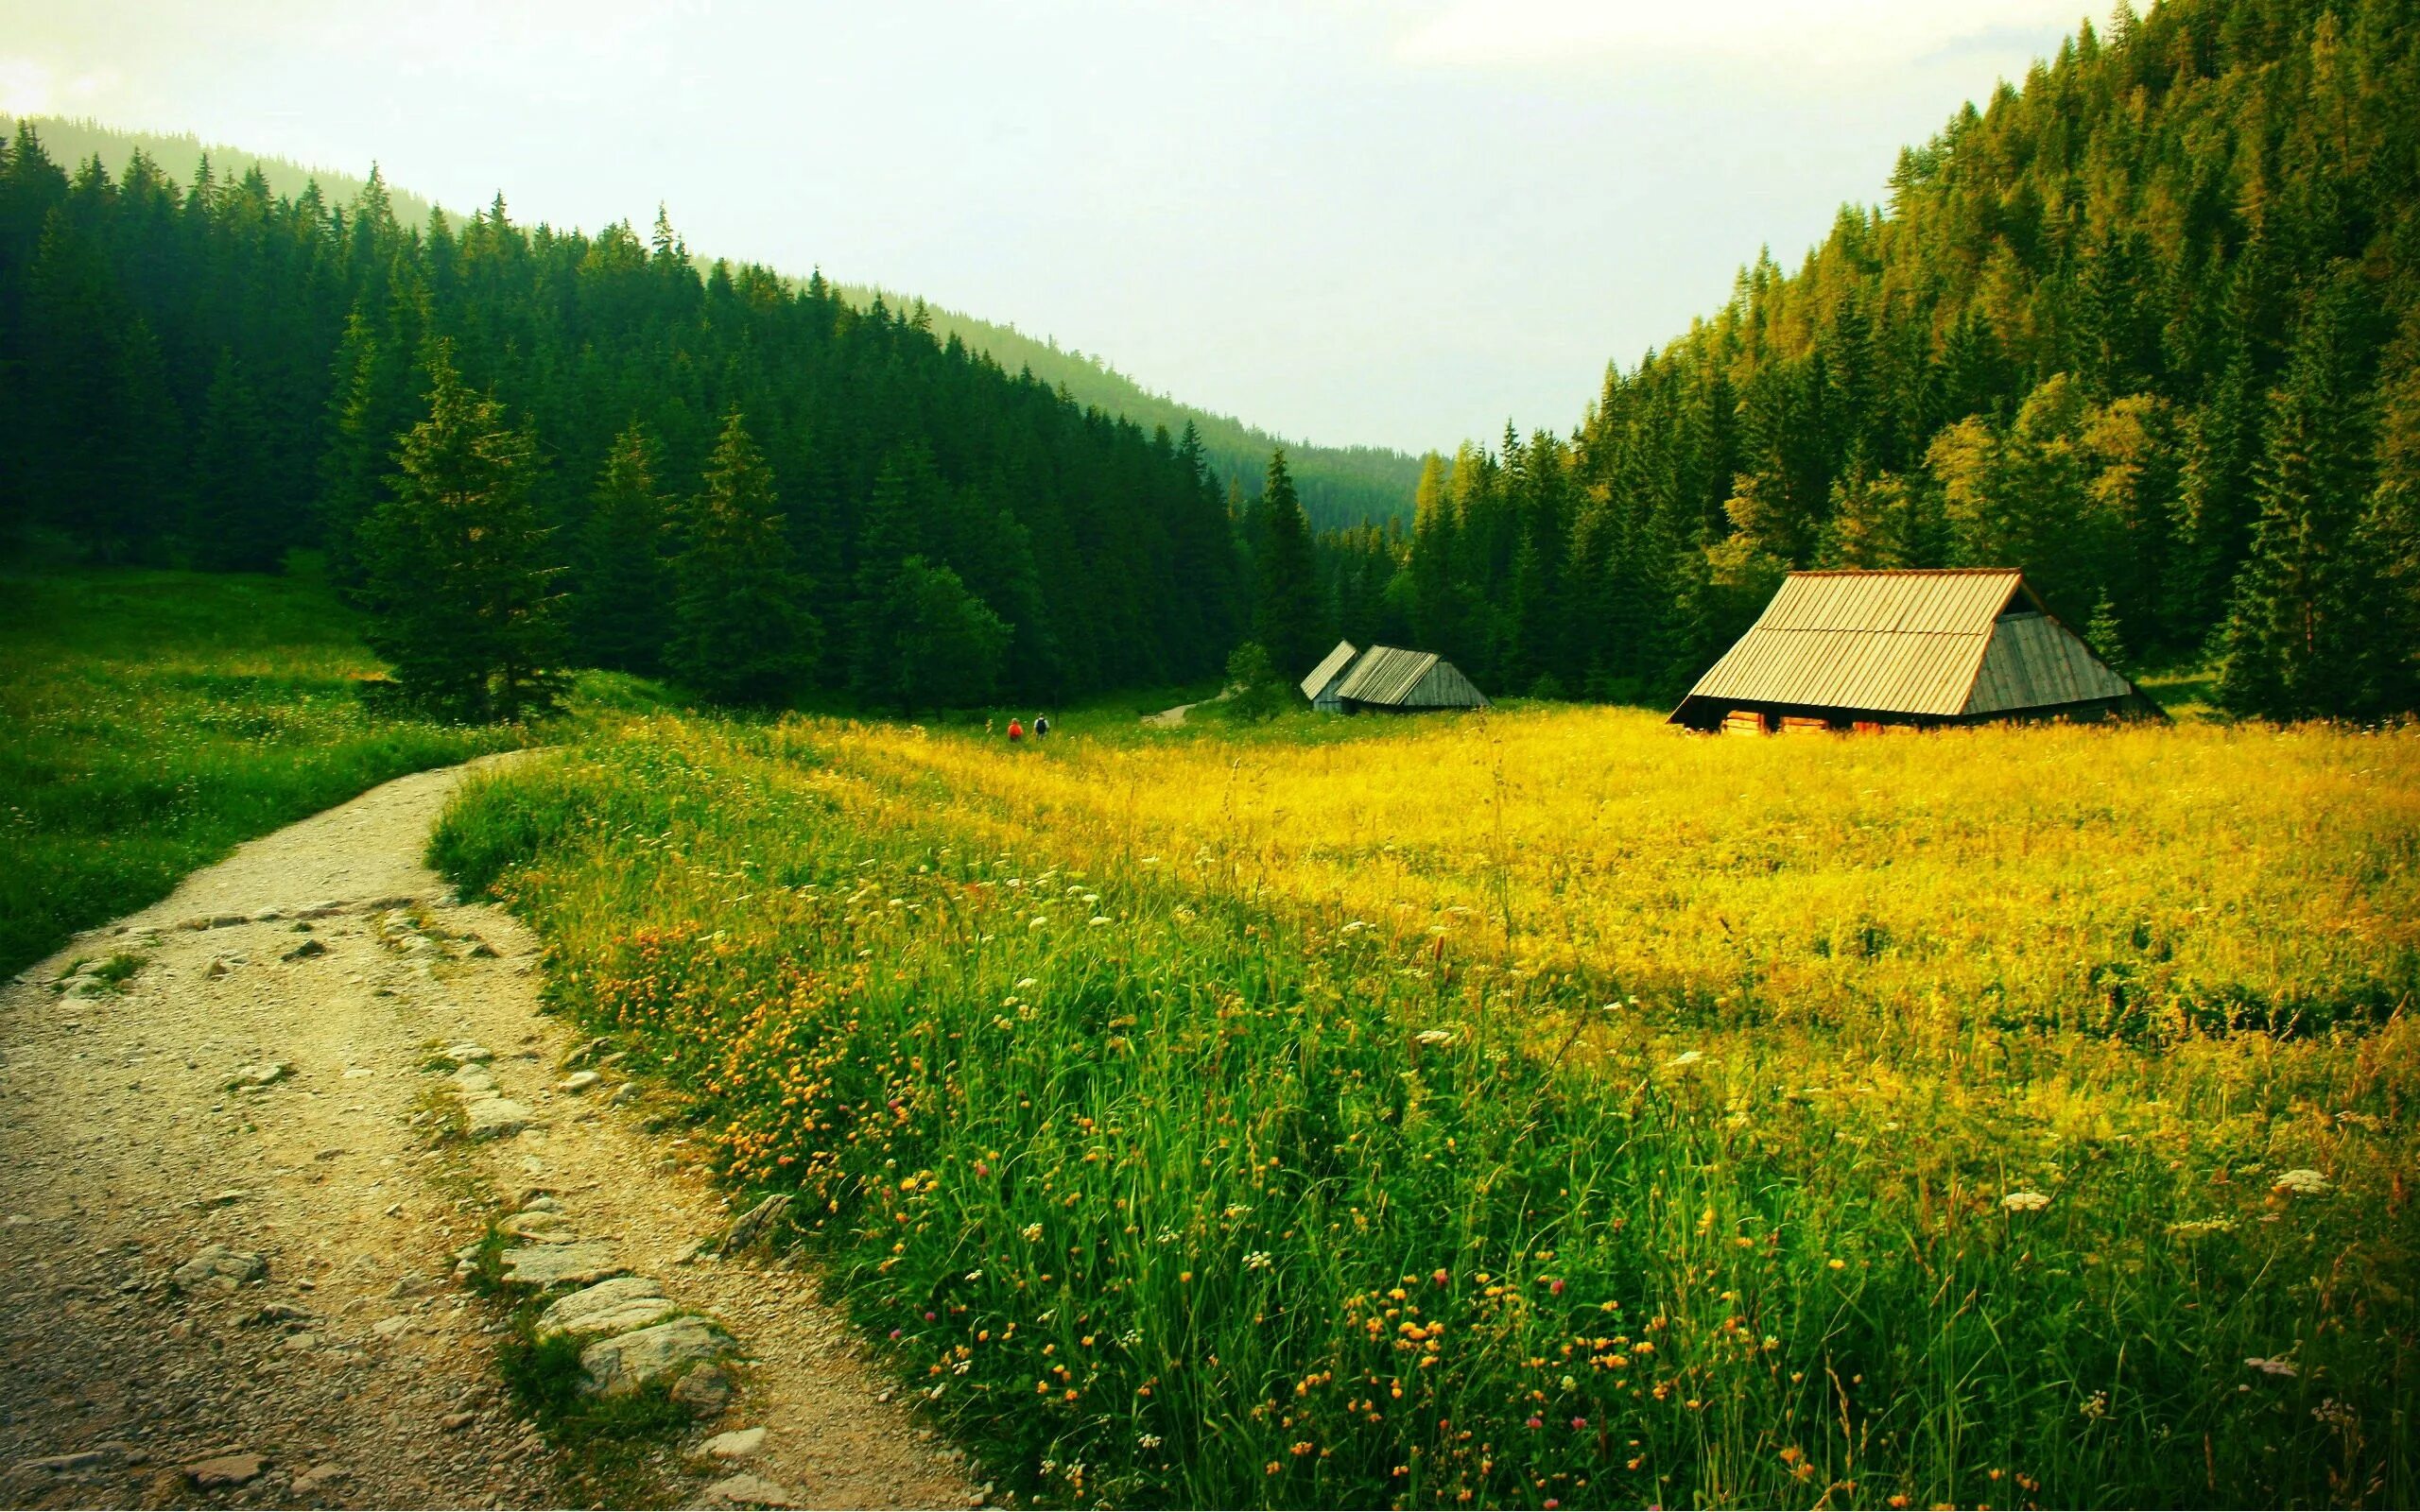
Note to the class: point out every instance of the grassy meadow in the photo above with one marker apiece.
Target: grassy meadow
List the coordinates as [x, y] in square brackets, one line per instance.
[154, 719]
[1548, 1108]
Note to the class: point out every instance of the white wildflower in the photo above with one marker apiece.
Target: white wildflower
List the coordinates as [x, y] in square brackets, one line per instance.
[1686, 1058]
[1435, 1037]
[2024, 1202]
[1355, 926]
[1149, 1441]
[1099, 919]
[2302, 1182]
[1258, 1260]
[2272, 1368]
[973, 1274]
[1024, 982]
[1038, 920]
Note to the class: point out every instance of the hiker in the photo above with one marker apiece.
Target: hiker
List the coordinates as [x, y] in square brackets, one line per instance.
[1041, 725]
[1016, 732]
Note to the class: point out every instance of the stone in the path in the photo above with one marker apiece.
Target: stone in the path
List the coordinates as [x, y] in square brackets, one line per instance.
[574, 1264]
[305, 951]
[538, 1228]
[746, 1491]
[746, 1229]
[624, 1362]
[267, 1072]
[473, 1079]
[318, 1478]
[578, 1081]
[494, 1118]
[705, 1391]
[622, 1305]
[222, 1471]
[463, 1054]
[216, 968]
[219, 1267]
[740, 1443]
[82, 1460]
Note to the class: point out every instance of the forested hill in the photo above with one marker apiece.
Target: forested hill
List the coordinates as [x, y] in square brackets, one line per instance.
[220, 371]
[2146, 326]
[1339, 486]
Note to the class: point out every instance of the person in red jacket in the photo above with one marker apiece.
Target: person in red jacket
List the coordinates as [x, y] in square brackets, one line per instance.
[1016, 732]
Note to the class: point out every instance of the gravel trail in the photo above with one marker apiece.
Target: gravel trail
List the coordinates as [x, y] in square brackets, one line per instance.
[230, 1212]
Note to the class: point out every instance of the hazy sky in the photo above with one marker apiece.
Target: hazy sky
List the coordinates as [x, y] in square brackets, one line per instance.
[1390, 221]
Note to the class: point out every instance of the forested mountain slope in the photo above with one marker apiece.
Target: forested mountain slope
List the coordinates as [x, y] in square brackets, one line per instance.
[1340, 486]
[223, 372]
[2145, 326]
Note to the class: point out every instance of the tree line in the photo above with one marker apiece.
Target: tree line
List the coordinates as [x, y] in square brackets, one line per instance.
[526, 449]
[2145, 327]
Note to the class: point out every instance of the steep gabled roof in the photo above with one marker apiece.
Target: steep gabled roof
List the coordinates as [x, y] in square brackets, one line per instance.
[1909, 643]
[1334, 662]
[1385, 674]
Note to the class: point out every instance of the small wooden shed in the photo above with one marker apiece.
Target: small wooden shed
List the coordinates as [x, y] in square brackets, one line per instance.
[1841, 650]
[1320, 686]
[1389, 679]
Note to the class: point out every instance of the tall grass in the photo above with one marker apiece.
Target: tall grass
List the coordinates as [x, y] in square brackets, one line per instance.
[1552, 1110]
[153, 719]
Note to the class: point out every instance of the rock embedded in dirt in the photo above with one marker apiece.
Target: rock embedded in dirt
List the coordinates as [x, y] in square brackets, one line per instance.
[219, 1267]
[83, 1461]
[463, 1054]
[751, 1225]
[266, 1074]
[547, 1266]
[578, 1081]
[308, 1485]
[603, 1319]
[538, 1228]
[473, 1079]
[222, 1471]
[494, 1118]
[740, 1443]
[746, 1490]
[618, 1366]
[705, 1391]
[305, 951]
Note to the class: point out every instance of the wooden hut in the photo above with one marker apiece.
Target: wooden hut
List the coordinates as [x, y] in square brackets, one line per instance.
[1844, 650]
[1388, 679]
[1320, 686]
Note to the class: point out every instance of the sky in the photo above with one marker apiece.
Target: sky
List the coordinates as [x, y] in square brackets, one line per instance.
[1391, 222]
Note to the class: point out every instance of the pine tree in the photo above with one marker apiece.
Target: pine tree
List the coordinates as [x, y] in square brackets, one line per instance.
[944, 647]
[458, 572]
[619, 616]
[741, 632]
[231, 526]
[1285, 613]
[2301, 640]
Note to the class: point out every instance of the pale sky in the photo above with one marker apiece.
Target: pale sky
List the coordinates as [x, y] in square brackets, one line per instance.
[1387, 221]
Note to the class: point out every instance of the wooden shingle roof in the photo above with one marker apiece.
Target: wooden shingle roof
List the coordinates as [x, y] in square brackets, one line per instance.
[1918, 643]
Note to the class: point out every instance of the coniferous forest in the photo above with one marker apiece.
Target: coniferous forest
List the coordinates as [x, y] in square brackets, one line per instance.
[661, 461]
[2147, 326]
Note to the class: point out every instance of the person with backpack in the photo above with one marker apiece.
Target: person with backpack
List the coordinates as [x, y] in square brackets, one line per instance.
[1041, 725]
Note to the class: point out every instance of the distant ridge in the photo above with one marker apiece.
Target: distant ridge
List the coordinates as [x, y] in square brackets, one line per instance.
[1339, 486]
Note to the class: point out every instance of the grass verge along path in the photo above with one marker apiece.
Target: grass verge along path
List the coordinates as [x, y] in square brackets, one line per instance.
[156, 718]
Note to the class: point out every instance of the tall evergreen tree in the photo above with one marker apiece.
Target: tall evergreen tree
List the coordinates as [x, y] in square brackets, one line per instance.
[459, 569]
[741, 633]
[232, 525]
[1286, 611]
[2302, 639]
[620, 615]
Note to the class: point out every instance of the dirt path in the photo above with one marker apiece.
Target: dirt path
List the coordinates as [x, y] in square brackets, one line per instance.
[356, 1370]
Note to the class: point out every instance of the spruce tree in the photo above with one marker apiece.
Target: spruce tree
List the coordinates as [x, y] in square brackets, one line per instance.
[230, 526]
[741, 632]
[619, 615]
[1286, 615]
[458, 572]
[2300, 640]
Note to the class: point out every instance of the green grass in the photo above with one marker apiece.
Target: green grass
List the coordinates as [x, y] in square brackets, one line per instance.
[155, 719]
[1200, 1192]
